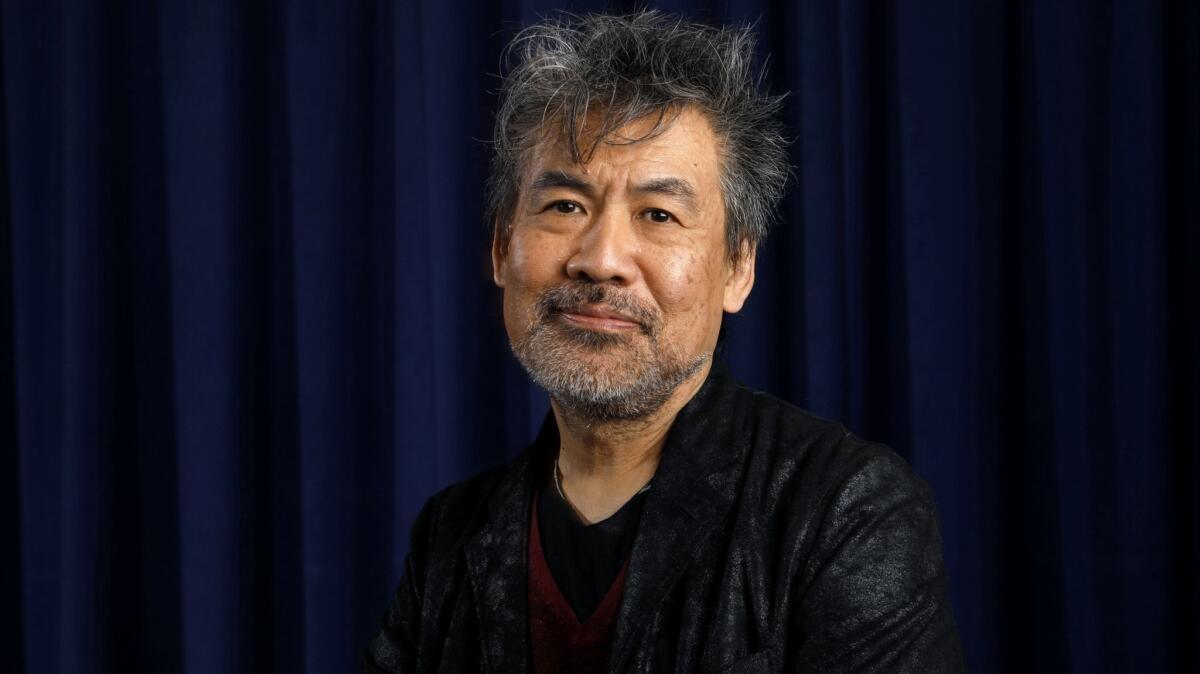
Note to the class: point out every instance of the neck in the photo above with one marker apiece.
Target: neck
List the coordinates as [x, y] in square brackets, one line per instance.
[603, 464]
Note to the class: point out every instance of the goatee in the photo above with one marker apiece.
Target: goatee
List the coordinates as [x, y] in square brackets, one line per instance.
[635, 373]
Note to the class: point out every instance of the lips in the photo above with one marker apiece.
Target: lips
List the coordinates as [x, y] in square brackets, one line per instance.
[597, 308]
[599, 318]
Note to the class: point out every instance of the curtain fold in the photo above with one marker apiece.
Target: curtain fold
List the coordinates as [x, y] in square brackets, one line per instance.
[247, 325]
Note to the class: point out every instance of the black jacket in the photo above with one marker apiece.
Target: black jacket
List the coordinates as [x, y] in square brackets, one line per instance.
[771, 540]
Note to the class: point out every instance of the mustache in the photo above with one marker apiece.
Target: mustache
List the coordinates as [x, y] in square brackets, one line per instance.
[571, 295]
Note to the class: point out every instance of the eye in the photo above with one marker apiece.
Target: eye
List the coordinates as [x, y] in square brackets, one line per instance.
[658, 215]
[565, 207]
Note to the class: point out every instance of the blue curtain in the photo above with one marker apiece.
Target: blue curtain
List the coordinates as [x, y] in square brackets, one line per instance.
[247, 325]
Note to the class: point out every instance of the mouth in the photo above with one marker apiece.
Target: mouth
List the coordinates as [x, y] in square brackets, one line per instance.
[599, 319]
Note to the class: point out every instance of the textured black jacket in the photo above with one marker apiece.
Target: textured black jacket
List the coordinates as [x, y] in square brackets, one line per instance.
[771, 540]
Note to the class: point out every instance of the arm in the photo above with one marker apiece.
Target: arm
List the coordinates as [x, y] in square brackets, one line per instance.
[394, 648]
[874, 592]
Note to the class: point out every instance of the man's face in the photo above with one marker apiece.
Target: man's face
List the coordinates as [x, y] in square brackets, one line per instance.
[615, 273]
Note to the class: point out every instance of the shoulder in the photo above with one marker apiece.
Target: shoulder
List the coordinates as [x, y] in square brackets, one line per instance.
[802, 444]
[811, 467]
[450, 516]
[854, 518]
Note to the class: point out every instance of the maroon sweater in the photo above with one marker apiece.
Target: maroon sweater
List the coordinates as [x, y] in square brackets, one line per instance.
[560, 642]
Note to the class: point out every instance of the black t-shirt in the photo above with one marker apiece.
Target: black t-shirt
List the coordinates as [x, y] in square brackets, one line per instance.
[585, 558]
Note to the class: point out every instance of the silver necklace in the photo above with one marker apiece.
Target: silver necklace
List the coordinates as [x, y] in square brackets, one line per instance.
[558, 483]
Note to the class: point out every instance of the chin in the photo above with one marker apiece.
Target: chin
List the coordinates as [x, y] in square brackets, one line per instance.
[602, 376]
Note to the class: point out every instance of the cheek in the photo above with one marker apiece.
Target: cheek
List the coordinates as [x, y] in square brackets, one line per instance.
[689, 289]
[532, 264]
[534, 256]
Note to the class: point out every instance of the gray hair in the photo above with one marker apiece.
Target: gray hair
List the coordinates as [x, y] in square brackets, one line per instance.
[646, 65]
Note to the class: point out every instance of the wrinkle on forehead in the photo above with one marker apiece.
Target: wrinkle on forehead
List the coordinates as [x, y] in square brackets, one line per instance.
[597, 127]
[683, 154]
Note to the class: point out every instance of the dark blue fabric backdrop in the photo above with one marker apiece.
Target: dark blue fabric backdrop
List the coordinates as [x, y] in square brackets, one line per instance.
[248, 324]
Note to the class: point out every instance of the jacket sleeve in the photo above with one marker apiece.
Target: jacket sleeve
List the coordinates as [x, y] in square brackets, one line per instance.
[394, 648]
[874, 596]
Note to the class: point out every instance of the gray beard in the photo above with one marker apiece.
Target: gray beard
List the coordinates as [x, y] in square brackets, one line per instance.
[637, 379]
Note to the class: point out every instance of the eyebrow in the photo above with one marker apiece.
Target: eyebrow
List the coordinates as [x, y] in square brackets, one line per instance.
[551, 179]
[677, 188]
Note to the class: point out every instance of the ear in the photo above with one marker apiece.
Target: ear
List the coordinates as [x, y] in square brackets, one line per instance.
[499, 254]
[740, 279]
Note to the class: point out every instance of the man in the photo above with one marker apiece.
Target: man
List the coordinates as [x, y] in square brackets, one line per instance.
[666, 519]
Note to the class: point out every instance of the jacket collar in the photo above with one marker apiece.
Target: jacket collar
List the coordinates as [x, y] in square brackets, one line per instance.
[693, 488]
[496, 559]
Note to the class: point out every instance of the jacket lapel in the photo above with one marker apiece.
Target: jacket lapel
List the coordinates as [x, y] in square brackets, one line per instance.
[496, 566]
[693, 489]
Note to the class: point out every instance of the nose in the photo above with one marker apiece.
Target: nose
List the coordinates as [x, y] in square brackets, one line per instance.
[605, 252]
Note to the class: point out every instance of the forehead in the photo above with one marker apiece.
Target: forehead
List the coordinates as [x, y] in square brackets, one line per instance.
[684, 145]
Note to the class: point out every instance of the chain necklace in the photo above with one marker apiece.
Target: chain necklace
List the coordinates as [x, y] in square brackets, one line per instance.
[558, 483]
